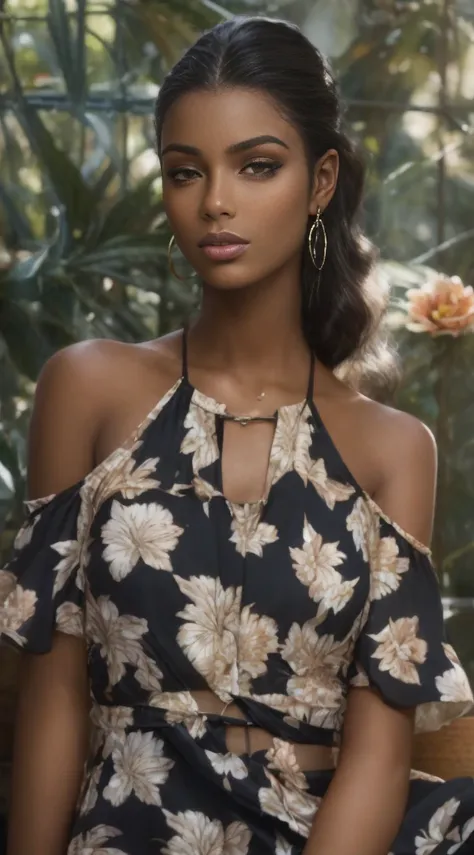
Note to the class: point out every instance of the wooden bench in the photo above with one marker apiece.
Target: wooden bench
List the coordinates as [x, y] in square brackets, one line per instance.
[446, 753]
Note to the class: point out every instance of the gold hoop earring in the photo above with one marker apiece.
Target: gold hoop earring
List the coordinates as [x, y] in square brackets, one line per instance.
[319, 227]
[171, 263]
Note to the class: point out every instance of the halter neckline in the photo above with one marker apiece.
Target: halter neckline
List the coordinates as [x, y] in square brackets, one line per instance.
[221, 409]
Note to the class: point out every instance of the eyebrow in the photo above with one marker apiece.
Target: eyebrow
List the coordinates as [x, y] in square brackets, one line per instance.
[232, 149]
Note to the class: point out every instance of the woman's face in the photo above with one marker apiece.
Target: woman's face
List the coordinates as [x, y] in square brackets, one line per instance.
[232, 163]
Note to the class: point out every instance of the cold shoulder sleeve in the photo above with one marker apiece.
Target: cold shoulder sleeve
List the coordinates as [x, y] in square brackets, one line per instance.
[42, 586]
[402, 650]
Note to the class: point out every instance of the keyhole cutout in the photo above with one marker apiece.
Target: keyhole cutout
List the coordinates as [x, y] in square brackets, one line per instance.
[245, 460]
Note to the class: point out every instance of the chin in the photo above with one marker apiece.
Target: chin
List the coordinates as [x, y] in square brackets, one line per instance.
[224, 278]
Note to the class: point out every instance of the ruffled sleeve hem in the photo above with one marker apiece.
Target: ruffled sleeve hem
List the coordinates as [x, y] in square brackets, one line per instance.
[42, 586]
[402, 650]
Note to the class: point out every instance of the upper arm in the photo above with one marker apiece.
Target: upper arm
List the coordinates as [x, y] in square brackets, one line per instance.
[65, 420]
[408, 484]
[375, 730]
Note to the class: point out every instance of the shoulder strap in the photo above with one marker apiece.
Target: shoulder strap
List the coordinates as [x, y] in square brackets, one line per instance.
[184, 353]
[310, 392]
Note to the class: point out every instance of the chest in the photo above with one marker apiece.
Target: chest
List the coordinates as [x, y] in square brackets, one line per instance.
[173, 557]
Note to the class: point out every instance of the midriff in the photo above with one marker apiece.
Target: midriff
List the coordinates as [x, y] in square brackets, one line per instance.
[247, 739]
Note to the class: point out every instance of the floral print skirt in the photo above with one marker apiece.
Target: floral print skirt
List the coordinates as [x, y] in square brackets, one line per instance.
[175, 789]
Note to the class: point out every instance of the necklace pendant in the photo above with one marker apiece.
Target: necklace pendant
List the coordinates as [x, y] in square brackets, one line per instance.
[261, 396]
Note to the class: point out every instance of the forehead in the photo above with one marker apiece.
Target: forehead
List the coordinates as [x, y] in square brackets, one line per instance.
[214, 120]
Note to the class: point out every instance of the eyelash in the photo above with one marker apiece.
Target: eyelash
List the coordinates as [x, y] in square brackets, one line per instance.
[271, 168]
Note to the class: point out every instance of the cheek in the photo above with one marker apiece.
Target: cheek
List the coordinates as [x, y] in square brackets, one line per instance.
[281, 214]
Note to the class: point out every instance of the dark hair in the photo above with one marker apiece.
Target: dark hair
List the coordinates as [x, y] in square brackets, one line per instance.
[341, 323]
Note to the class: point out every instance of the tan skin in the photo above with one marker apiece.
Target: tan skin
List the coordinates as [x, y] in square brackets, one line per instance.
[90, 398]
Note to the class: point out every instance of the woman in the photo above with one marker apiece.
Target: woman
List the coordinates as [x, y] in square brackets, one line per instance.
[245, 579]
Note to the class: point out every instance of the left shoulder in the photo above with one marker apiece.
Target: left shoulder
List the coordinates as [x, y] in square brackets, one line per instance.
[404, 442]
[408, 468]
[403, 435]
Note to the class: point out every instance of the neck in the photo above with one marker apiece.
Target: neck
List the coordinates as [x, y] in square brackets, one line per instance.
[256, 328]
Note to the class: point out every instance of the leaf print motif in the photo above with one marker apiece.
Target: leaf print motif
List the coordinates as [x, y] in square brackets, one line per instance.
[109, 725]
[249, 534]
[282, 758]
[387, 569]
[362, 523]
[314, 472]
[119, 637]
[439, 824]
[209, 633]
[92, 842]
[227, 764]
[201, 439]
[282, 846]
[291, 441]
[70, 550]
[89, 799]
[7, 584]
[295, 807]
[315, 565]
[237, 837]
[196, 833]
[139, 768]
[139, 531]
[453, 685]
[461, 837]
[316, 661]
[204, 491]
[181, 708]
[70, 619]
[19, 607]
[258, 637]
[399, 649]
[23, 538]
[130, 479]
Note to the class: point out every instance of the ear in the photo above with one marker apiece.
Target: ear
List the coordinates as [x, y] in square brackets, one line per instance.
[324, 183]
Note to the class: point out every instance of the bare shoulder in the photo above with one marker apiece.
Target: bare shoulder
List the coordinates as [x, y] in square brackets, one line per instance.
[90, 394]
[400, 438]
[391, 454]
[406, 454]
[396, 433]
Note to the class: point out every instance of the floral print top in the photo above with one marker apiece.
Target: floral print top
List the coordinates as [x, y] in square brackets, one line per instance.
[281, 605]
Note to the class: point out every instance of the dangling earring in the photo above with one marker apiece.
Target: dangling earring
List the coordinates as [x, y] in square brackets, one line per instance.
[171, 263]
[320, 228]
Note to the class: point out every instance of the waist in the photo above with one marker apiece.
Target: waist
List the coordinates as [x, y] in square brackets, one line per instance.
[192, 709]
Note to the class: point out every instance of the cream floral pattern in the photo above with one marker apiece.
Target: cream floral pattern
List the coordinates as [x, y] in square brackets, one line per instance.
[248, 533]
[139, 531]
[139, 767]
[281, 607]
[315, 565]
[400, 649]
[198, 834]
[438, 828]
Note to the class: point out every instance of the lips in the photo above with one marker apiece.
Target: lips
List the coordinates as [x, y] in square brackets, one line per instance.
[222, 239]
[223, 246]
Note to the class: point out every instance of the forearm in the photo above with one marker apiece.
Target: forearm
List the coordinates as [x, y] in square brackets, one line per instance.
[362, 810]
[51, 737]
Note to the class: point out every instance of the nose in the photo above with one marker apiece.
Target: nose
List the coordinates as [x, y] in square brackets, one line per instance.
[217, 200]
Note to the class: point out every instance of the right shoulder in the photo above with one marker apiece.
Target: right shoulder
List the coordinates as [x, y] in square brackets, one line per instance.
[83, 374]
[79, 389]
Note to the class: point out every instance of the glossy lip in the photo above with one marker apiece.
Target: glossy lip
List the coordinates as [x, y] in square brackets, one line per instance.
[224, 252]
[222, 239]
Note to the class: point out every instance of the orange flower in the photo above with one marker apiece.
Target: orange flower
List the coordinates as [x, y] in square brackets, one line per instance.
[444, 306]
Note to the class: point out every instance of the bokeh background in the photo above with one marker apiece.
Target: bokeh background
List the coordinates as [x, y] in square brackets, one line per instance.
[83, 237]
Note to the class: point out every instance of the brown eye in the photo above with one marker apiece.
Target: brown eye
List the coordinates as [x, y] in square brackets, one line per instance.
[182, 175]
[263, 168]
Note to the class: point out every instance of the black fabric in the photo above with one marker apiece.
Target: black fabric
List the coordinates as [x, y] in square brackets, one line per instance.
[279, 606]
